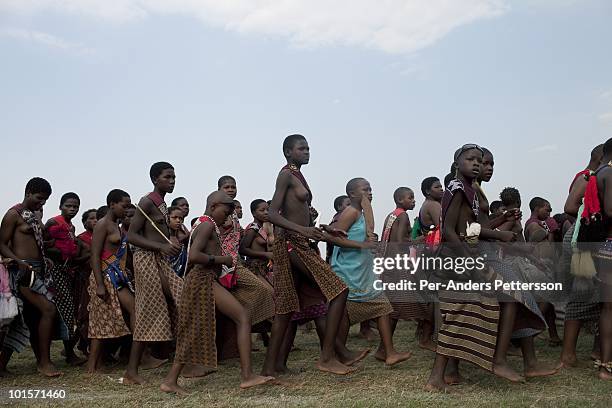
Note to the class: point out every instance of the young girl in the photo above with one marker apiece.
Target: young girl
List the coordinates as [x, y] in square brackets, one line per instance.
[254, 245]
[202, 294]
[352, 261]
[110, 290]
[179, 236]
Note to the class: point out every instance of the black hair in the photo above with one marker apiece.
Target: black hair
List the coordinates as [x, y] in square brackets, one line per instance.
[158, 168]
[224, 179]
[352, 184]
[495, 205]
[69, 196]
[101, 212]
[509, 196]
[193, 221]
[256, 203]
[115, 196]
[607, 147]
[291, 140]
[338, 202]
[38, 185]
[400, 192]
[176, 200]
[236, 202]
[538, 202]
[85, 215]
[427, 184]
[173, 208]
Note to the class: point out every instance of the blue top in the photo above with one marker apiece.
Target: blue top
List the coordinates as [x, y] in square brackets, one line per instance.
[355, 266]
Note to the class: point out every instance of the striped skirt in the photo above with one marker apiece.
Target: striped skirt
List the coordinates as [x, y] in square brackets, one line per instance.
[468, 327]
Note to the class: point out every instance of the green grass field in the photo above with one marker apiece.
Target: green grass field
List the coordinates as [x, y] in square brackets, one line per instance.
[372, 385]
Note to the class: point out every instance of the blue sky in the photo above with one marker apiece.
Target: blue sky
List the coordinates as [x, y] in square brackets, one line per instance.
[94, 92]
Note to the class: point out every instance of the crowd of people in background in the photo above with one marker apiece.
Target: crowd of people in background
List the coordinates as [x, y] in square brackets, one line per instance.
[141, 287]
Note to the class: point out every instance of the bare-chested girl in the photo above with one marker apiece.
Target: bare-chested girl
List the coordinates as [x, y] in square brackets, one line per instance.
[110, 290]
[201, 294]
[21, 239]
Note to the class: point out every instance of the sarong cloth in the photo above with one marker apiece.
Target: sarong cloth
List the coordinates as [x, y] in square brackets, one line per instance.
[285, 289]
[156, 313]
[196, 325]
[106, 317]
[407, 305]
[469, 320]
[64, 274]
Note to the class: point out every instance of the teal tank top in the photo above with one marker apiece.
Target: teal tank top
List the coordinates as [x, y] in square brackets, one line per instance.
[355, 266]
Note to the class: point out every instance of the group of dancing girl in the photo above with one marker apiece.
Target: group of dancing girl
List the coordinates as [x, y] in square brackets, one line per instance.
[145, 284]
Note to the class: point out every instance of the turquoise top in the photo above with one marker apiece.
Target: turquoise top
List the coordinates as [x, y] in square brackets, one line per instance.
[355, 266]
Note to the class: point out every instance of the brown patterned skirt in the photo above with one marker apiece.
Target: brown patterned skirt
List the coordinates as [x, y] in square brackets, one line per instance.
[260, 268]
[105, 318]
[156, 313]
[408, 304]
[361, 311]
[287, 300]
[196, 329]
[468, 327]
[254, 294]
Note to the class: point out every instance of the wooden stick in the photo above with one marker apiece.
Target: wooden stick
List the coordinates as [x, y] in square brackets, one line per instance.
[153, 224]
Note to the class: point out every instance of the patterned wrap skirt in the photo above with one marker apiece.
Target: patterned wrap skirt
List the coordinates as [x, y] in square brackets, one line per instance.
[156, 311]
[105, 317]
[196, 327]
[285, 288]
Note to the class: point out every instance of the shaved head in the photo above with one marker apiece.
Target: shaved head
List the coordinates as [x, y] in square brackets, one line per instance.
[218, 197]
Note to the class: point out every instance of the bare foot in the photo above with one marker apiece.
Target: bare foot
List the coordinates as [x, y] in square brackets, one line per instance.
[358, 356]
[284, 370]
[381, 355]
[595, 355]
[539, 370]
[604, 375]
[435, 386]
[567, 362]
[75, 361]
[453, 378]
[396, 358]
[173, 389]
[150, 362]
[255, 380]
[368, 335]
[335, 367]
[504, 371]
[49, 370]
[133, 379]
[428, 345]
[94, 371]
[195, 371]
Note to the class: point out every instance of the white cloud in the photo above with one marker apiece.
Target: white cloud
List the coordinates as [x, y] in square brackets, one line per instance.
[545, 148]
[46, 39]
[394, 26]
[606, 94]
[606, 117]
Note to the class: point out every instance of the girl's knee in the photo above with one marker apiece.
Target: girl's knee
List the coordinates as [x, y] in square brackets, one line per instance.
[243, 318]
